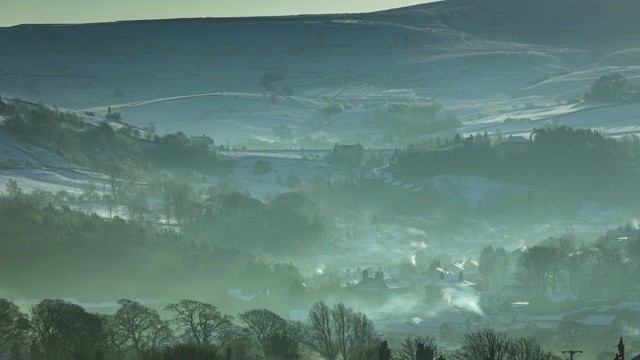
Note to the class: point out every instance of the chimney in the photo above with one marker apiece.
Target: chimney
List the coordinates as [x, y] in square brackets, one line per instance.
[365, 275]
[379, 275]
[621, 348]
[460, 276]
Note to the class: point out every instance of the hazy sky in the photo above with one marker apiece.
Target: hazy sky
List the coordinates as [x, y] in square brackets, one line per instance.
[13, 12]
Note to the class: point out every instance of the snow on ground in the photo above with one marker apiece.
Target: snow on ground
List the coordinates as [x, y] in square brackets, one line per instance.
[158, 72]
[13, 148]
[484, 67]
[50, 181]
[610, 119]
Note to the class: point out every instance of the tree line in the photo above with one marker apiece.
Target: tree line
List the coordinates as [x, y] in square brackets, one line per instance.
[57, 329]
[555, 263]
[560, 156]
[98, 147]
[89, 252]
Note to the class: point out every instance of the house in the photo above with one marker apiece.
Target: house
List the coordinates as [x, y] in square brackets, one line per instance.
[203, 141]
[603, 321]
[623, 233]
[370, 284]
[413, 326]
[378, 287]
[553, 302]
[347, 155]
[436, 291]
[454, 325]
[515, 140]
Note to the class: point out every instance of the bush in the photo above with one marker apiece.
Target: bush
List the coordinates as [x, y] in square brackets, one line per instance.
[268, 79]
[414, 118]
[261, 167]
[182, 352]
[612, 88]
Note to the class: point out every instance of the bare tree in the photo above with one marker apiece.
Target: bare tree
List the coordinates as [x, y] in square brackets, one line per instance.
[363, 342]
[340, 332]
[489, 344]
[141, 325]
[283, 133]
[14, 328]
[409, 347]
[116, 174]
[320, 337]
[527, 349]
[343, 326]
[242, 343]
[178, 196]
[484, 344]
[202, 323]
[285, 342]
[64, 330]
[14, 190]
[535, 267]
[560, 249]
[117, 337]
[494, 265]
[263, 324]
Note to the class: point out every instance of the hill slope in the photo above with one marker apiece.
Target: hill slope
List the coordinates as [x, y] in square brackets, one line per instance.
[236, 79]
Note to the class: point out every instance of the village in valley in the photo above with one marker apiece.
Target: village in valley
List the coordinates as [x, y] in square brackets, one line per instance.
[429, 182]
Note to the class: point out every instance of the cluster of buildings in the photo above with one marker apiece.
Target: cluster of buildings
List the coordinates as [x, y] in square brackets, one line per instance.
[436, 291]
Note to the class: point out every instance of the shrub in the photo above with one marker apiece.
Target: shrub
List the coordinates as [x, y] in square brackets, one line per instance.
[261, 166]
[612, 88]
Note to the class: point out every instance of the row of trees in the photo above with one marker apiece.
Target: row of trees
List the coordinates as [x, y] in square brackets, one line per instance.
[576, 158]
[612, 88]
[93, 254]
[539, 266]
[551, 264]
[490, 344]
[56, 329]
[288, 223]
[413, 119]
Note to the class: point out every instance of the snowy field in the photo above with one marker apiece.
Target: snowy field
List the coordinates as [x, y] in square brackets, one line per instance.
[235, 80]
[207, 76]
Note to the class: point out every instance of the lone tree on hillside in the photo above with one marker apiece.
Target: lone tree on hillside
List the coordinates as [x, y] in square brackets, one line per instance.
[283, 133]
[268, 79]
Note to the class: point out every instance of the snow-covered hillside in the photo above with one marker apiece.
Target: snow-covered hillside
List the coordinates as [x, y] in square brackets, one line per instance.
[484, 60]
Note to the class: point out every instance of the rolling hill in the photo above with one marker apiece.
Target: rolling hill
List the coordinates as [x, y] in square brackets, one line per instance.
[236, 79]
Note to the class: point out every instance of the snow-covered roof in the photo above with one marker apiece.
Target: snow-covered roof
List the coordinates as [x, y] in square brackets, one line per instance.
[450, 283]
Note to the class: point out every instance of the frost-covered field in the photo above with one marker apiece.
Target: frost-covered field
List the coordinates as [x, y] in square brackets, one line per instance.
[485, 62]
